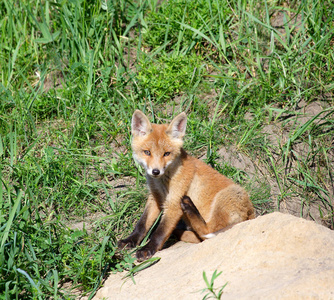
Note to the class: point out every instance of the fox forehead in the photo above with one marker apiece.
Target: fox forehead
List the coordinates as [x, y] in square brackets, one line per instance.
[156, 141]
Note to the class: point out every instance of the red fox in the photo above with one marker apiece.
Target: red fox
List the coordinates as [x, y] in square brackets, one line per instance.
[182, 186]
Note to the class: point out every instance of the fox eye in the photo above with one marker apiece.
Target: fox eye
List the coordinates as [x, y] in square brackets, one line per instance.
[147, 152]
[166, 153]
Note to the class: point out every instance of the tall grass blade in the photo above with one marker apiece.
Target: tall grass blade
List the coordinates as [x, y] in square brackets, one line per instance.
[12, 214]
[31, 281]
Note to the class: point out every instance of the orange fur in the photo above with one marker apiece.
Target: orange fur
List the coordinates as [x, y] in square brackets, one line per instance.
[182, 186]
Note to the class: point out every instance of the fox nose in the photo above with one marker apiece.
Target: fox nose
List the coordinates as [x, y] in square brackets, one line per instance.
[155, 172]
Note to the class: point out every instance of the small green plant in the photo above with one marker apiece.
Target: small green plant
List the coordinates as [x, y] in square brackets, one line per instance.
[210, 289]
[170, 76]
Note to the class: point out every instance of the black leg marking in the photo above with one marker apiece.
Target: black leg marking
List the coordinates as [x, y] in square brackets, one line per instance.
[136, 236]
[189, 209]
[128, 243]
[155, 244]
[146, 252]
[158, 237]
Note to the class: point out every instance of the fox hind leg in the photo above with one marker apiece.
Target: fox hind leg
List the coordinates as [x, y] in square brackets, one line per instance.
[194, 217]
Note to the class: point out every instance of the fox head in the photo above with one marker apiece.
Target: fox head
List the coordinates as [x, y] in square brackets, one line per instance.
[156, 147]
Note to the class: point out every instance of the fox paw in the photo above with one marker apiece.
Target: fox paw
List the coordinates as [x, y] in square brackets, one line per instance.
[127, 243]
[188, 206]
[145, 253]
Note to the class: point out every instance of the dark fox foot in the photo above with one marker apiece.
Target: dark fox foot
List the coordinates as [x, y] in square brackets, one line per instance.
[127, 243]
[146, 252]
[189, 208]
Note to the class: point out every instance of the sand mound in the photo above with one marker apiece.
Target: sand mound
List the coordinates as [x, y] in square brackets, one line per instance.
[275, 256]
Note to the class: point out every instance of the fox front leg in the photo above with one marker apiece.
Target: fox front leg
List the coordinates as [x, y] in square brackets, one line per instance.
[167, 224]
[150, 214]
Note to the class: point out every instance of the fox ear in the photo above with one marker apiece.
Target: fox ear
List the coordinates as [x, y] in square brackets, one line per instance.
[140, 125]
[177, 128]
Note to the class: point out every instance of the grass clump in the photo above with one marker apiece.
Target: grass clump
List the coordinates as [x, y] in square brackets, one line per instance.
[169, 76]
[184, 23]
[38, 252]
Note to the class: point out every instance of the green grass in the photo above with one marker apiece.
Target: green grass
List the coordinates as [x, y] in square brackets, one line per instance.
[210, 289]
[71, 75]
[169, 76]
